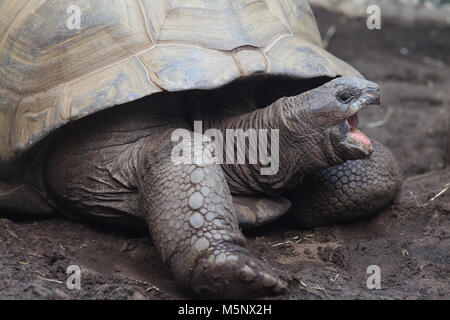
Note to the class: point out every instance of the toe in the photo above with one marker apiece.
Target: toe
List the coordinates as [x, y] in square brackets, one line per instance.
[241, 277]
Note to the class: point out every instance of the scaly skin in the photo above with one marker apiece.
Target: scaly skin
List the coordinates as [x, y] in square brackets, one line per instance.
[116, 167]
[349, 192]
[193, 226]
[122, 170]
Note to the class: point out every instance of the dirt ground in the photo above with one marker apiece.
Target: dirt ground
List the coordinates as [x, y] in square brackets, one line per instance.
[409, 240]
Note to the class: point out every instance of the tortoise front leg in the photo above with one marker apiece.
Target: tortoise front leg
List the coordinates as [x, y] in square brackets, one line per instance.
[189, 214]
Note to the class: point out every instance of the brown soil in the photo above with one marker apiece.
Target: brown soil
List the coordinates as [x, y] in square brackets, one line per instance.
[409, 240]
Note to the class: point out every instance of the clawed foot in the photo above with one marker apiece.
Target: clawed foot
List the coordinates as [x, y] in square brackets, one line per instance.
[235, 274]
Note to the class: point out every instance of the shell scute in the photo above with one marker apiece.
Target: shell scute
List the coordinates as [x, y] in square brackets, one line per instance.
[126, 50]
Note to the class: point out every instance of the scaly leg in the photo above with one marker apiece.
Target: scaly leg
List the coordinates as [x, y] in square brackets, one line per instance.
[190, 217]
[351, 191]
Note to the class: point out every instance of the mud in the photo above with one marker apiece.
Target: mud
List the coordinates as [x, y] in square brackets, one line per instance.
[409, 240]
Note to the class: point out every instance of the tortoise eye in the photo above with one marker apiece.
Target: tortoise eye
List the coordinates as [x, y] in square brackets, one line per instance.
[345, 95]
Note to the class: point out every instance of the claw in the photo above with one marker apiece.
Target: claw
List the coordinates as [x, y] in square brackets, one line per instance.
[248, 274]
[245, 277]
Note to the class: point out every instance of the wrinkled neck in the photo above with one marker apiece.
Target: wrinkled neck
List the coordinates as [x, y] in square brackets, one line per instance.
[277, 145]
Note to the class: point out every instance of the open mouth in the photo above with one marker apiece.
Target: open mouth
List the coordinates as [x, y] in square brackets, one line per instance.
[355, 134]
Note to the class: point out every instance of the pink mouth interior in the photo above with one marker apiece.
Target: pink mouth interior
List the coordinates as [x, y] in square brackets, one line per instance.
[353, 122]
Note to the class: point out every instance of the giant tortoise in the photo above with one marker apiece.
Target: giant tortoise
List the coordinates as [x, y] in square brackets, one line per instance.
[93, 124]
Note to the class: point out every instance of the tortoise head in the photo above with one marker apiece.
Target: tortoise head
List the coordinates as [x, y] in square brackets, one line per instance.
[333, 109]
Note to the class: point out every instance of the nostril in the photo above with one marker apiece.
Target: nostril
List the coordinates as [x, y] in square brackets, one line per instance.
[373, 96]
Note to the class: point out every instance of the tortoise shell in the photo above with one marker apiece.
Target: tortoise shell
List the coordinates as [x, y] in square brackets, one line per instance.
[52, 74]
